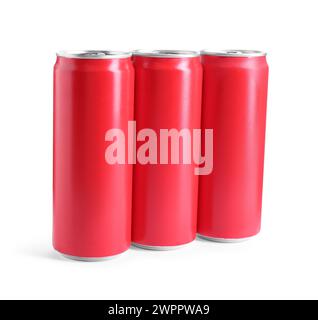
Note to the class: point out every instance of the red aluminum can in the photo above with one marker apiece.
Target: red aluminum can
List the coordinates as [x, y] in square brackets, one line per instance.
[93, 92]
[168, 86]
[234, 106]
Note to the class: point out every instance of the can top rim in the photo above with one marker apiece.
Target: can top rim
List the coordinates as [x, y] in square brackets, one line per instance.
[234, 53]
[166, 53]
[93, 54]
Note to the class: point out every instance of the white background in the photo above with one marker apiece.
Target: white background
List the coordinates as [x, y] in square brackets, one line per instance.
[282, 262]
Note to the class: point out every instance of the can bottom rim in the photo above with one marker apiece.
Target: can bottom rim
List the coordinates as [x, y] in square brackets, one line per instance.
[224, 240]
[159, 248]
[88, 259]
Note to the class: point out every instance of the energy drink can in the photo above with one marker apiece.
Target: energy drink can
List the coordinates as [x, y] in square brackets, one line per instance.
[168, 87]
[93, 92]
[234, 106]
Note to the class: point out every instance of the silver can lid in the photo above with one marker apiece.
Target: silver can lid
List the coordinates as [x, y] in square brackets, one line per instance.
[234, 53]
[166, 53]
[94, 54]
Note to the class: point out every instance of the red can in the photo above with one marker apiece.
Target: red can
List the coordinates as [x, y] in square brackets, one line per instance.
[234, 105]
[93, 92]
[167, 96]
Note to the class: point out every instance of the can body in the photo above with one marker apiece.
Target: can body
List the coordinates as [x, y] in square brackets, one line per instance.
[234, 106]
[91, 198]
[167, 96]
